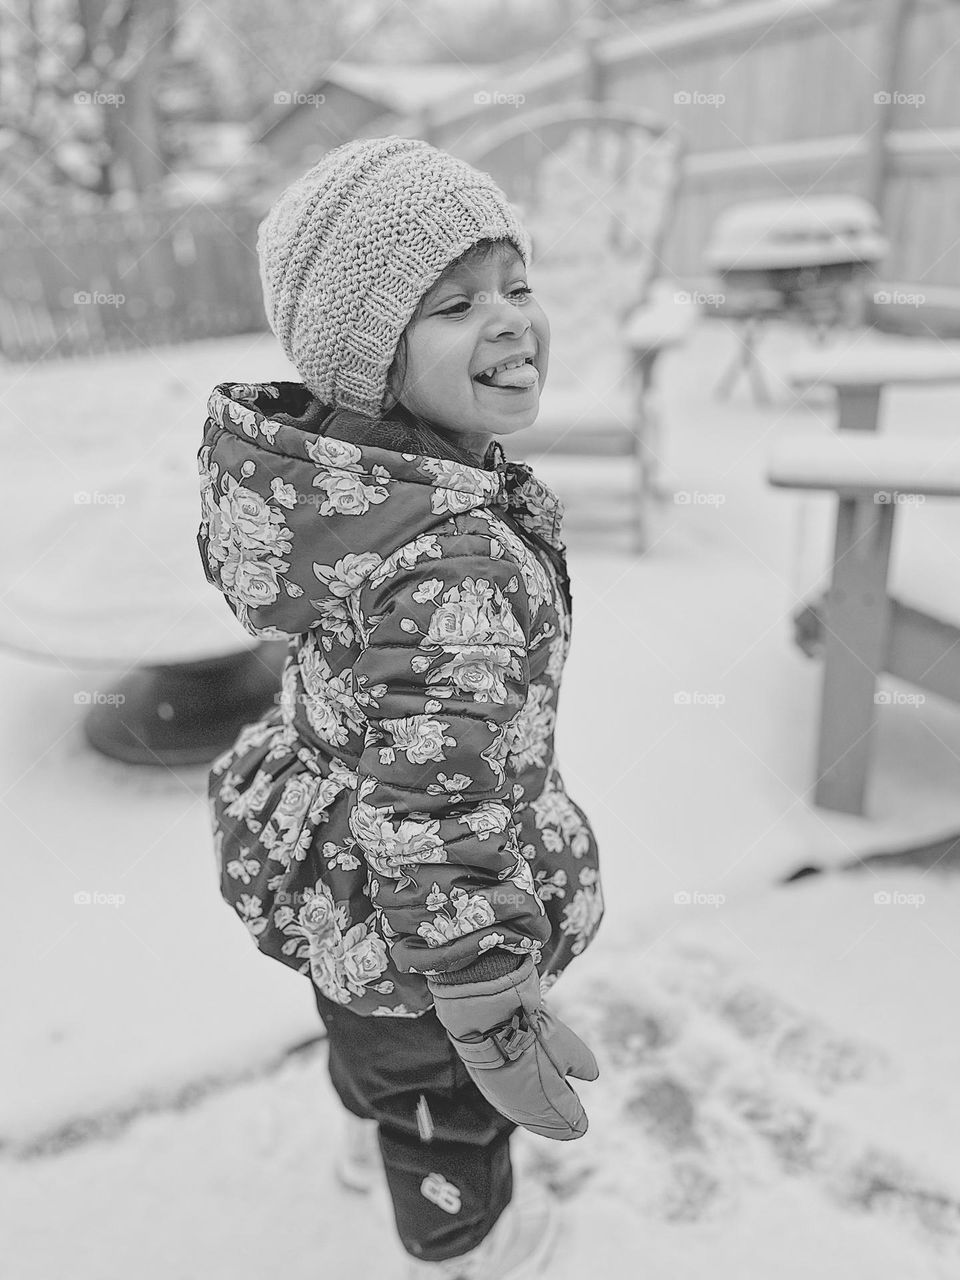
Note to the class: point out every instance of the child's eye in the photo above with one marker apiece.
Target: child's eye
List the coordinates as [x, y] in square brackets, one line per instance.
[523, 289]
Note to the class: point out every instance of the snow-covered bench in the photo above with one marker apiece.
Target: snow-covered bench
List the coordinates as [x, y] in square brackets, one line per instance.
[860, 374]
[861, 465]
[863, 628]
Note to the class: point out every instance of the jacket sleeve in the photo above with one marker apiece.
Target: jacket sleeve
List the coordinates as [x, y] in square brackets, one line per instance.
[442, 676]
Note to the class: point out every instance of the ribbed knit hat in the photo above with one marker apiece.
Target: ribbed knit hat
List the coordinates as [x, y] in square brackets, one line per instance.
[348, 250]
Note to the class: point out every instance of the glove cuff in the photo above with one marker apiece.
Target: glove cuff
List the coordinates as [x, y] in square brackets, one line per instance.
[489, 987]
[489, 964]
[483, 1018]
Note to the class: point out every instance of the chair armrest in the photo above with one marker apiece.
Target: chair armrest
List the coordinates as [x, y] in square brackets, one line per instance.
[661, 322]
[877, 365]
[860, 464]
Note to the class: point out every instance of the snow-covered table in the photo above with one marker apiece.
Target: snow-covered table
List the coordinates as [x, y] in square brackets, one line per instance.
[861, 628]
[109, 576]
[860, 374]
[865, 630]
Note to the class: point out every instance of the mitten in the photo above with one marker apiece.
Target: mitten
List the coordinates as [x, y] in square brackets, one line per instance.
[516, 1052]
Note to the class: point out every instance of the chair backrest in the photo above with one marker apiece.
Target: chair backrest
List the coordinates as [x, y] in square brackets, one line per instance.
[590, 178]
[595, 184]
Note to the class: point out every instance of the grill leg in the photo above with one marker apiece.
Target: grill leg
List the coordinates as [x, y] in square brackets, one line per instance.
[746, 360]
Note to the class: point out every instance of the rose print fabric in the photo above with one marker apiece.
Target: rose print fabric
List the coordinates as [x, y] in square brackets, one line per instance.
[401, 811]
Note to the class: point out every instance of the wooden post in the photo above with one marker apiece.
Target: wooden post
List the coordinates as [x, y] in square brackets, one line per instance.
[890, 41]
[858, 407]
[857, 622]
[924, 651]
[855, 648]
[590, 31]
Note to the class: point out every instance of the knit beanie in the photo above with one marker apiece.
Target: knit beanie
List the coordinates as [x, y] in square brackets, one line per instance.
[348, 250]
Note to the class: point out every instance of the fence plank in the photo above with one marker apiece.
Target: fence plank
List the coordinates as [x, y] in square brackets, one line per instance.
[183, 274]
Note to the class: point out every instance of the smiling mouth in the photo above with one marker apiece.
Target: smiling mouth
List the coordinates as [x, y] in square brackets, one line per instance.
[516, 381]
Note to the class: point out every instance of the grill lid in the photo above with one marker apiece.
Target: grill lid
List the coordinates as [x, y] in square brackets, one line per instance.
[816, 231]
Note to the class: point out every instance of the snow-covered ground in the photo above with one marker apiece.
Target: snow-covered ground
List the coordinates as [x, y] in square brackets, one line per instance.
[777, 1061]
[776, 1098]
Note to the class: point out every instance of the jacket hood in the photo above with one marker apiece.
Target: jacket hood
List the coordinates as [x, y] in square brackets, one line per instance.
[299, 507]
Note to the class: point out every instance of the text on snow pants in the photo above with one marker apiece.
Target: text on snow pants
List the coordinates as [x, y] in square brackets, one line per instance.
[449, 1190]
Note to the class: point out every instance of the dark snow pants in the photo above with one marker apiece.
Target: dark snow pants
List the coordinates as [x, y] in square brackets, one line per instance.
[447, 1157]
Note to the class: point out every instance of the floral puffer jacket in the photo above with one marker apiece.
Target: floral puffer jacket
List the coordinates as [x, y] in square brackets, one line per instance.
[400, 812]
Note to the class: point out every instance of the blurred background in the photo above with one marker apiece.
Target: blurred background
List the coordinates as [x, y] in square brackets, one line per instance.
[746, 228]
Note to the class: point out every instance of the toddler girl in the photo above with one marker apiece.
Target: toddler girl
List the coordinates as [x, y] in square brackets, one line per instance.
[397, 828]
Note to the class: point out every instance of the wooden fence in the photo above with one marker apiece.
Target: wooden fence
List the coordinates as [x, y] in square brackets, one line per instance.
[774, 99]
[86, 283]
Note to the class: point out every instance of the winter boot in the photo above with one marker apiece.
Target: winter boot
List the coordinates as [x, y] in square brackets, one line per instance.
[358, 1164]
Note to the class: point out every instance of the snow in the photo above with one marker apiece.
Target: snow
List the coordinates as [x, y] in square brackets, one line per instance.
[727, 1147]
[112, 446]
[813, 231]
[775, 1098]
[878, 359]
[868, 462]
[406, 87]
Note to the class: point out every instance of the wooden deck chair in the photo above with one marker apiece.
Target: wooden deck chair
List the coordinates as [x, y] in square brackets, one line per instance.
[889, 603]
[595, 184]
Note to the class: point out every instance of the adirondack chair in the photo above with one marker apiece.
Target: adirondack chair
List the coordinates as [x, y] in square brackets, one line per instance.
[183, 659]
[595, 185]
[862, 625]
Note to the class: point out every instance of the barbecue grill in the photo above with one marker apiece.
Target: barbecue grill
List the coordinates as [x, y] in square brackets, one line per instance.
[808, 257]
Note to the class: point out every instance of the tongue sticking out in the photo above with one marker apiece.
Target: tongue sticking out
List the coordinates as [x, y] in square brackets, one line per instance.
[525, 375]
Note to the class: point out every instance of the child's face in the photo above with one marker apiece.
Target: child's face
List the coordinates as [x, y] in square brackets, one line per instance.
[475, 316]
